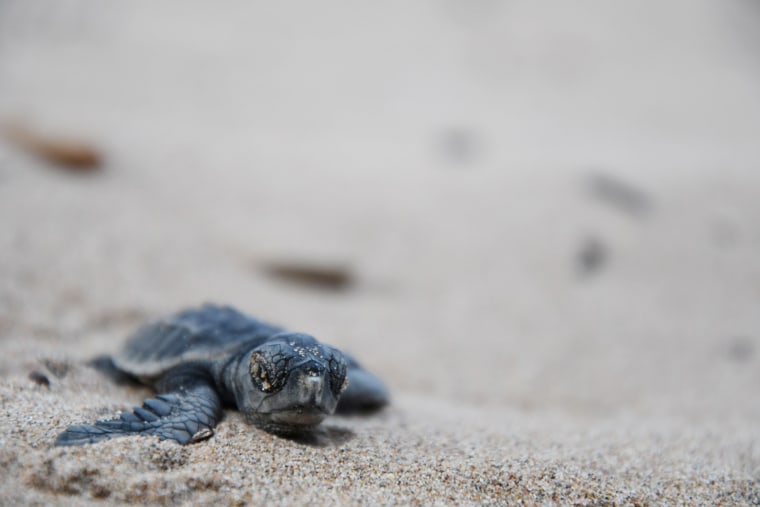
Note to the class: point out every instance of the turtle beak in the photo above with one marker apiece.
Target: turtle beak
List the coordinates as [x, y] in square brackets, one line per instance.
[308, 384]
[308, 390]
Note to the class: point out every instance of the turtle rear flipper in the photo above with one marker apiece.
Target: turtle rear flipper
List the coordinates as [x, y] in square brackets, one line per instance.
[186, 412]
[105, 365]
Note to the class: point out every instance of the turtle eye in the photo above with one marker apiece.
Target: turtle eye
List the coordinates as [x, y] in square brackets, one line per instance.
[338, 377]
[268, 371]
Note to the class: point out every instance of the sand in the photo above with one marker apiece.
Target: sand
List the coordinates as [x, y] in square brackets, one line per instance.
[547, 217]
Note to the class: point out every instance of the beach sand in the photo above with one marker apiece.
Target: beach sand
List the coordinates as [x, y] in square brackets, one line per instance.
[545, 220]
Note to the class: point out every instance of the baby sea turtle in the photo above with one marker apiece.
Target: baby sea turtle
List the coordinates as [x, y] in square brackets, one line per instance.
[204, 358]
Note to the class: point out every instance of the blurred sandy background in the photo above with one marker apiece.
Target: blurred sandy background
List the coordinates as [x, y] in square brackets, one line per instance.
[547, 217]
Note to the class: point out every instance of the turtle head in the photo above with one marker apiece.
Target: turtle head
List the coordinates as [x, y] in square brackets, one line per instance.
[294, 383]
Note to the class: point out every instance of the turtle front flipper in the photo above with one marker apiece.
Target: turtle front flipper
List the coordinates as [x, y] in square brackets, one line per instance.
[186, 411]
[365, 392]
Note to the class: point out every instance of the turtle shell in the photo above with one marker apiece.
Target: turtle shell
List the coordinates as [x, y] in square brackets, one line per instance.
[210, 333]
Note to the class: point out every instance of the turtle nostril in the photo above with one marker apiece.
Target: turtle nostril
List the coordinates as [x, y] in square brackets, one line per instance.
[312, 369]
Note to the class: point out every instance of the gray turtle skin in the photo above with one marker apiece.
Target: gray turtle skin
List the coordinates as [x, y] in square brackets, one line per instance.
[203, 359]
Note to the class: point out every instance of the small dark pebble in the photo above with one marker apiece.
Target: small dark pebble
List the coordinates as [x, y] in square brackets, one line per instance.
[460, 146]
[592, 256]
[620, 194]
[740, 348]
[70, 154]
[324, 277]
[39, 378]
